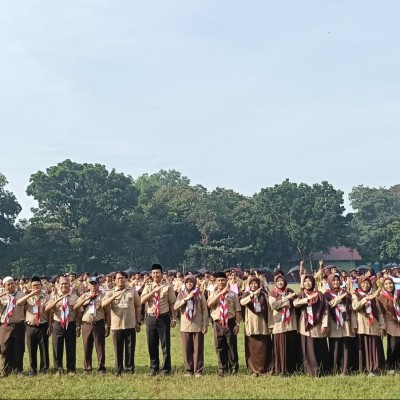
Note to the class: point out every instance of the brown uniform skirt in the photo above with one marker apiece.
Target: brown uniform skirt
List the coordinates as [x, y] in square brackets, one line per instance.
[371, 357]
[285, 352]
[258, 353]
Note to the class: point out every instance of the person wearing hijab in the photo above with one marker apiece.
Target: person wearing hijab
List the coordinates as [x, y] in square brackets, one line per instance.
[257, 340]
[341, 325]
[313, 325]
[389, 302]
[194, 325]
[284, 327]
[370, 326]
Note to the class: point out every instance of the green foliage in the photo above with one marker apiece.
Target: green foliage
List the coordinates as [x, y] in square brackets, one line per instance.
[376, 209]
[81, 215]
[298, 218]
[9, 210]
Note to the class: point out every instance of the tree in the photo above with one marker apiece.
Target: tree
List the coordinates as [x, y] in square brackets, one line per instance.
[89, 205]
[390, 246]
[302, 218]
[9, 210]
[375, 209]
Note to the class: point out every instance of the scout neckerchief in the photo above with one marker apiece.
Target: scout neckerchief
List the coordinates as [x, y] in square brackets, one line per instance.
[191, 305]
[156, 303]
[395, 304]
[223, 310]
[64, 316]
[285, 311]
[10, 308]
[368, 306]
[36, 308]
[310, 314]
[339, 308]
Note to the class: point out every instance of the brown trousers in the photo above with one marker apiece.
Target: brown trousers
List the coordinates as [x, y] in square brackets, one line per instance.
[94, 334]
[193, 352]
[12, 346]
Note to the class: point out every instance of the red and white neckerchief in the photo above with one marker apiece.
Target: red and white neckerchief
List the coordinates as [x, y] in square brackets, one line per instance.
[395, 304]
[9, 309]
[339, 308]
[223, 311]
[37, 305]
[310, 314]
[285, 311]
[64, 317]
[190, 309]
[368, 307]
[156, 303]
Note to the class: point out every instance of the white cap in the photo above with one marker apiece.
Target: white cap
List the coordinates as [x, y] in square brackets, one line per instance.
[7, 279]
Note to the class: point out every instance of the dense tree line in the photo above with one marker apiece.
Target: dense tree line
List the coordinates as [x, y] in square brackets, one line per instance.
[92, 219]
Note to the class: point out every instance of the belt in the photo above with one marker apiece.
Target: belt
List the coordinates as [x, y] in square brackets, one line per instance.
[101, 321]
[36, 326]
[161, 315]
[13, 325]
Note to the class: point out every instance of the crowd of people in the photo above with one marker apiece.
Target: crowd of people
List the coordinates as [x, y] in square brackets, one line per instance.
[334, 324]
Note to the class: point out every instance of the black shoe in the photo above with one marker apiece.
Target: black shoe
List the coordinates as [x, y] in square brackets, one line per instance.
[101, 372]
[153, 373]
[165, 373]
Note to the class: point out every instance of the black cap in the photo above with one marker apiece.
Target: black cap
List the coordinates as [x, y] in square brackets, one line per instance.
[93, 279]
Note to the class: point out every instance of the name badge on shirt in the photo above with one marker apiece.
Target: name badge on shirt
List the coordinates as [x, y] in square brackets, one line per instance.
[257, 307]
[92, 309]
[123, 304]
[35, 309]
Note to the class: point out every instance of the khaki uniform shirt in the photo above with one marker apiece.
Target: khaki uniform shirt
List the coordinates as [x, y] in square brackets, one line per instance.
[232, 302]
[337, 331]
[167, 298]
[200, 319]
[124, 309]
[93, 311]
[72, 298]
[30, 308]
[315, 331]
[255, 324]
[18, 315]
[279, 326]
[363, 327]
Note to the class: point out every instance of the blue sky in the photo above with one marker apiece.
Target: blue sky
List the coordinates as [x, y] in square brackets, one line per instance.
[233, 94]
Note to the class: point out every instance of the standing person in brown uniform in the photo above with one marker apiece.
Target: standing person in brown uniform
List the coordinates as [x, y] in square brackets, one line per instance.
[37, 326]
[313, 326]
[257, 321]
[125, 322]
[389, 301]
[284, 327]
[159, 299]
[225, 312]
[94, 321]
[66, 327]
[370, 327]
[341, 325]
[12, 329]
[194, 325]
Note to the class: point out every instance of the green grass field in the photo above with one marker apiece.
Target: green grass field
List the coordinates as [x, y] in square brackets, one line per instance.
[176, 386]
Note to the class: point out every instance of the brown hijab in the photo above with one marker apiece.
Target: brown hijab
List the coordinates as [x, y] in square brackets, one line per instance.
[331, 293]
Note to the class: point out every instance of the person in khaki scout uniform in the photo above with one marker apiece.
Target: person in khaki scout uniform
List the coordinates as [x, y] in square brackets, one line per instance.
[370, 327]
[284, 327]
[37, 326]
[159, 299]
[341, 325]
[313, 326]
[12, 329]
[125, 321]
[94, 321]
[66, 327]
[194, 324]
[225, 312]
